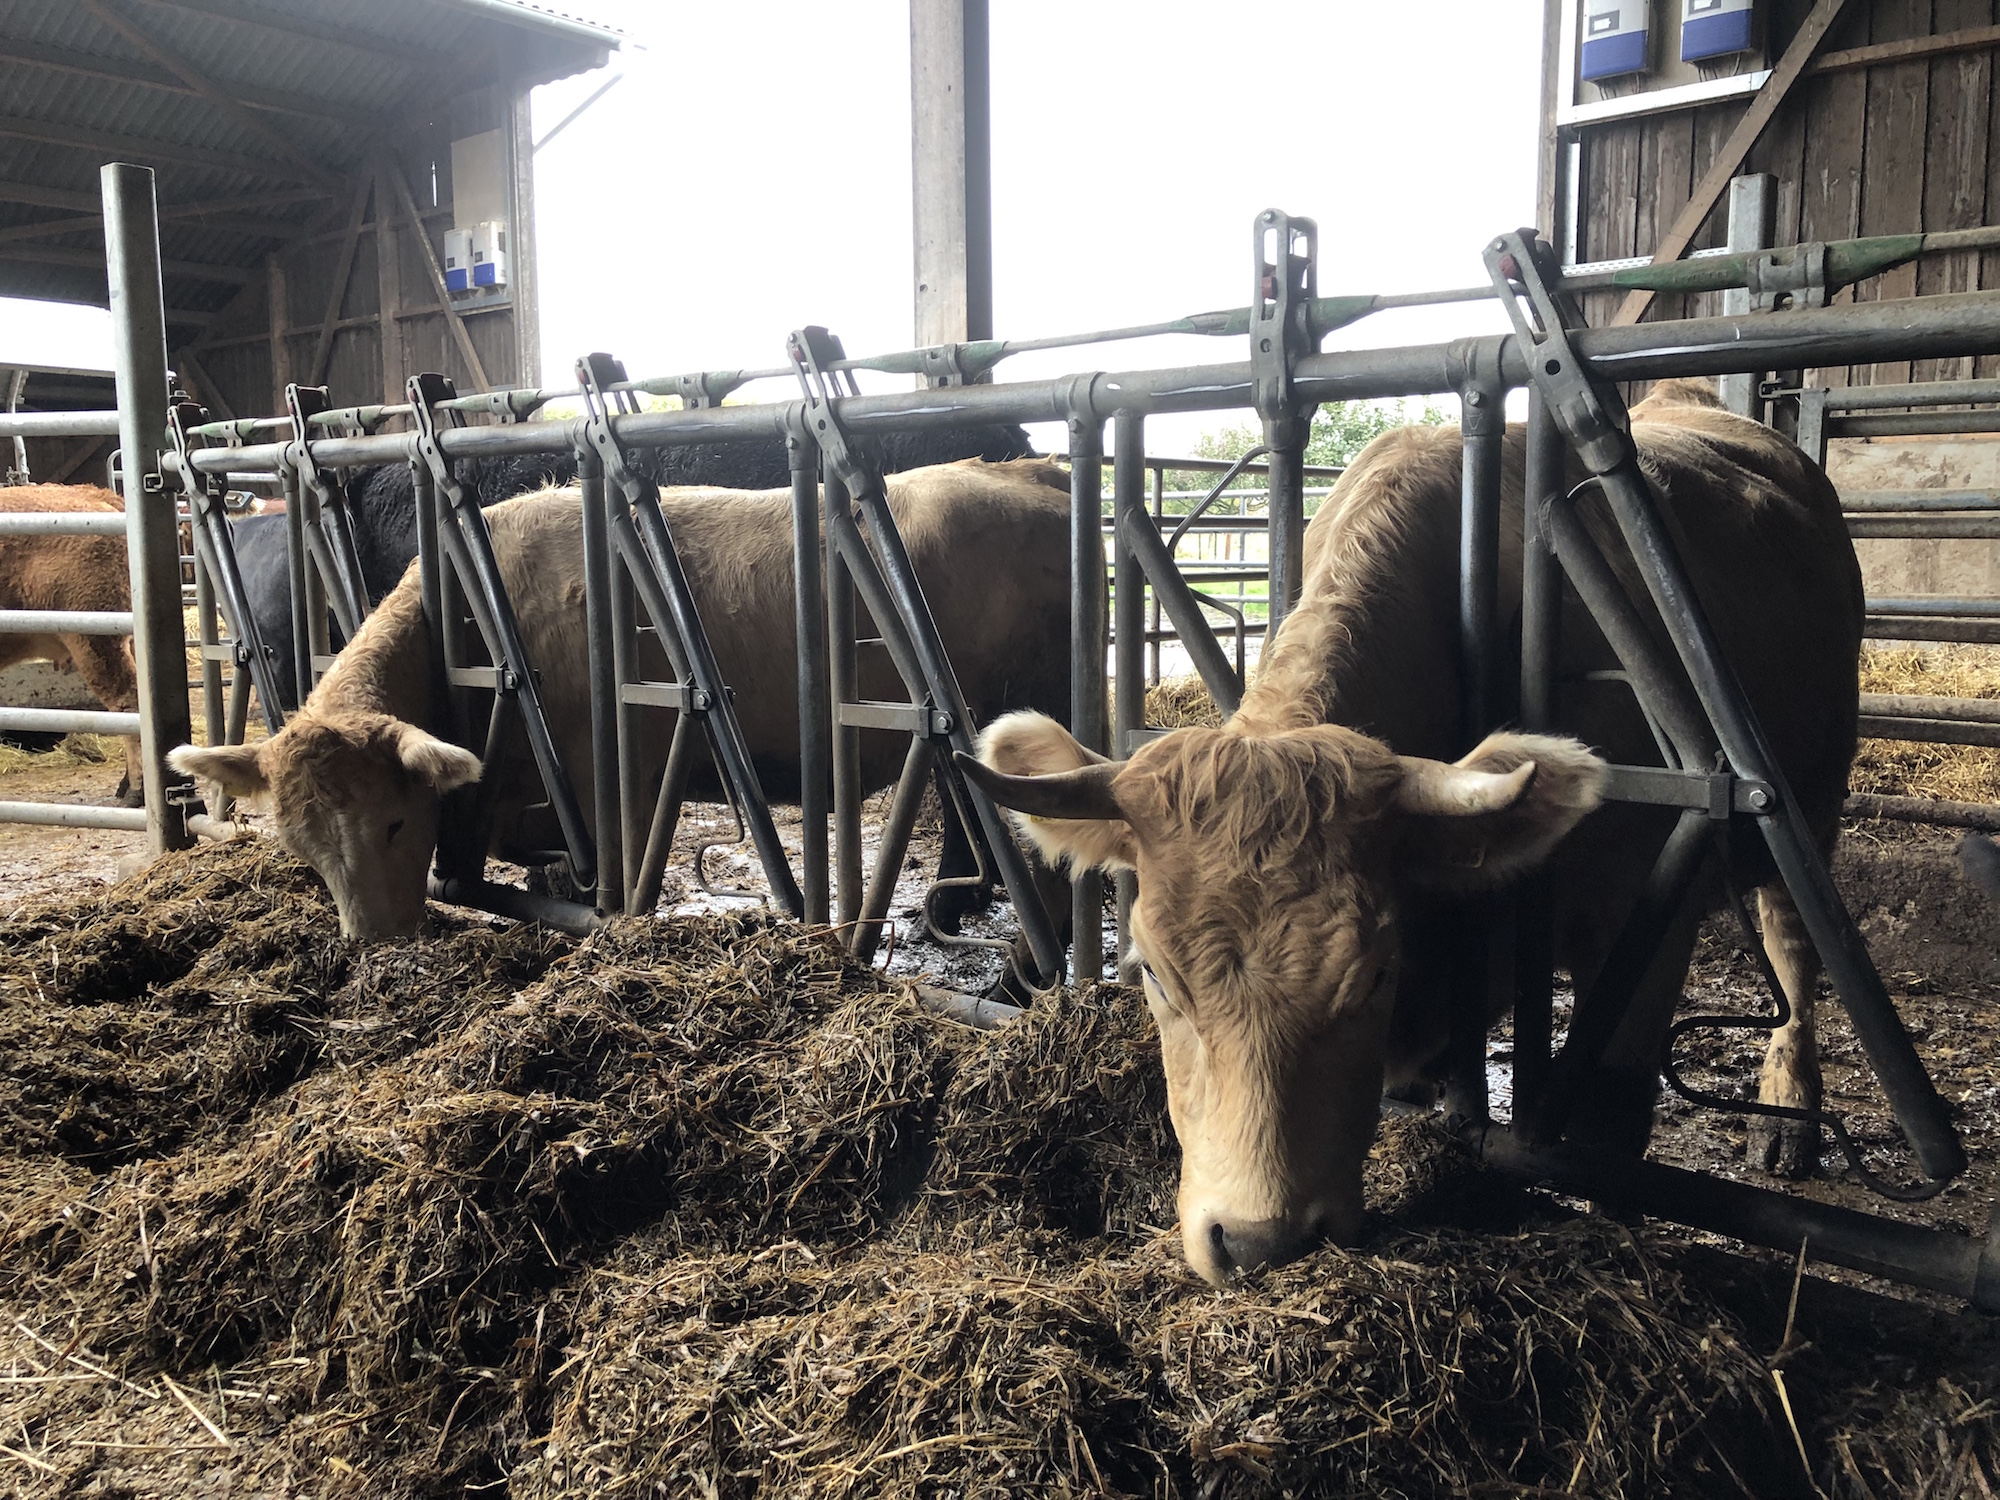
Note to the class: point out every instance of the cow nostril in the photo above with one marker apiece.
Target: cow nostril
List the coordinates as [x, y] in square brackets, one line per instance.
[1218, 1243]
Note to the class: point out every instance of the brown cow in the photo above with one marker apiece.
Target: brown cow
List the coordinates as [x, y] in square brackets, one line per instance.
[80, 573]
[1296, 876]
[353, 780]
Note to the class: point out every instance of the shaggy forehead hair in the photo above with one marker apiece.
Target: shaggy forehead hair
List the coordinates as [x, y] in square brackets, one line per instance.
[1278, 805]
[315, 759]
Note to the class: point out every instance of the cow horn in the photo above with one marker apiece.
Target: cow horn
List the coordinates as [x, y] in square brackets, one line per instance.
[1078, 795]
[1434, 789]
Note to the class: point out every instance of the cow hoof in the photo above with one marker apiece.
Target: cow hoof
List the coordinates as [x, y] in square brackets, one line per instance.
[129, 795]
[949, 906]
[1784, 1148]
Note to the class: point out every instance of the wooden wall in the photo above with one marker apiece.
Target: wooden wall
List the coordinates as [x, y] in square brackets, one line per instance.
[328, 291]
[1894, 147]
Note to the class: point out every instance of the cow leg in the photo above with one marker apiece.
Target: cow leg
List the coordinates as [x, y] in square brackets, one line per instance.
[1788, 1148]
[1615, 1104]
[105, 664]
[956, 861]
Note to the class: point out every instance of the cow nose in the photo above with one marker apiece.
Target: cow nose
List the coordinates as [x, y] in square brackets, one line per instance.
[1249, 1245]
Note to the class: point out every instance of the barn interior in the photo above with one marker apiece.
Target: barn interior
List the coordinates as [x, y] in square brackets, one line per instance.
[634, 1185]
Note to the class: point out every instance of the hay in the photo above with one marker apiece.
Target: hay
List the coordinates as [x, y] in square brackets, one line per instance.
[70, 751]
[1180, 703]
[1899, 768]
[700, 1208]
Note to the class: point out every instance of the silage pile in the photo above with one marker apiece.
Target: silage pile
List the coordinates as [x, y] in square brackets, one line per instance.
[697, 1208]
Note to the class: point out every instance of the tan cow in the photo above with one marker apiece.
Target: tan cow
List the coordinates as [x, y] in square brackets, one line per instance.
[1297, 867]
[353, 780]
[73, 573]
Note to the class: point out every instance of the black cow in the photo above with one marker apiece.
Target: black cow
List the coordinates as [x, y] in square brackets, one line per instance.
[383, 504]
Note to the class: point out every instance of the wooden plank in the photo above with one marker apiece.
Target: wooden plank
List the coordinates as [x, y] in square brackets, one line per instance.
[88, 449]
[460, 337]
[1961, 87]
[281, 313]
[1892, 176]
[524, 268]
[1548, 156]
[1830, 195]
[389, 289]
[343, 271]
[1708, 192]
[1612, 182]
[205, 389]
[1970, 39]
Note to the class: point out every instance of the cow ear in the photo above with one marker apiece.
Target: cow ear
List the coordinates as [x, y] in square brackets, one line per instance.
[1060, 793]
[1495, 814]
[235, 768]
[442, 766]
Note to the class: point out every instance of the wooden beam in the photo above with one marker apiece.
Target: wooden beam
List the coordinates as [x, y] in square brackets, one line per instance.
[222, 103]
[1971, 39]
[117, 70]
[281, 358]
[209, 394]
[524, 269]
[54, 255]
[139, 149]
[1729, 157]
[389, 289]
[343, 272]
[47, 197]
[452, 320]
[87, 450]
[270, 229]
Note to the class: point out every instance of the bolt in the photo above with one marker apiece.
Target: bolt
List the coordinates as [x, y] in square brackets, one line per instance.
[1759, 799]
[1475, 398]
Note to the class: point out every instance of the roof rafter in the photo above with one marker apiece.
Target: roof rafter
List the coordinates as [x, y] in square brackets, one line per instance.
[294, 25]
[135, 35]
[93, 260]
[118, 70]
[137, 148]
[270, 229]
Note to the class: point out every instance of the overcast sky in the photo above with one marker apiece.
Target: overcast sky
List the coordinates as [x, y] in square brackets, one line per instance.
[751, 173]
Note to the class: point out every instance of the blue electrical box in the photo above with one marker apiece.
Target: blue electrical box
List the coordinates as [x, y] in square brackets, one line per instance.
[1614, 38]
[1714, 28]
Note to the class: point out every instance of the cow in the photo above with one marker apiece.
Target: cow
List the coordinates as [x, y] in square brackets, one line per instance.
[354, 780]
[74, 573]
[382, 503]
[1303, 871]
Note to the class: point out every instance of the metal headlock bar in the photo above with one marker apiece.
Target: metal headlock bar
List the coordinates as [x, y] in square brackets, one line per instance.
[1719, 722]
[461, 539]
[936, 718]
[642, 544]
[329, 529]
[1694, 707]
[219, 584]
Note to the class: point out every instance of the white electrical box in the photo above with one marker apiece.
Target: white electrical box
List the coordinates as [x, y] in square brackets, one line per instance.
[489, 254]
[458, 260]
[1715, 28]
[1614, 38]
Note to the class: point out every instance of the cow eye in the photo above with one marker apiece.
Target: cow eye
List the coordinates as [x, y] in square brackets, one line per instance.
[394, 829]
[1156, 992]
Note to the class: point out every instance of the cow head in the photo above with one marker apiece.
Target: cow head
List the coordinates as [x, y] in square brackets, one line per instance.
[354, 795]
[1270, 868]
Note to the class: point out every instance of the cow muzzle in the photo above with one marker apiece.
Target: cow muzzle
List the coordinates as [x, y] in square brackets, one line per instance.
[1229, 1248]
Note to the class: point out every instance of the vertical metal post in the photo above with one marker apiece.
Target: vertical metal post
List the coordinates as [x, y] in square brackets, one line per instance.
[636, 817]
[319, 638]
[1153, 608]
[842, 687]
[1483, 426]
[1287, 508]
[297, 567]
[815, 727]
[211, 669]
[1128, 498]
[1087, 647]
[1541, 623]
[152, 529]
[951, 171]
[430, 562]
[606, 814]
[1753, 202]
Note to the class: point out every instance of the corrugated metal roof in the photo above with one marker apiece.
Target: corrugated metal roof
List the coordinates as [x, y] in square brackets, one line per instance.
[317, 89]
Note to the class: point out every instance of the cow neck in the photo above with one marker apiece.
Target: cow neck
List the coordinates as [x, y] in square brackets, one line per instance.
[386, 668]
